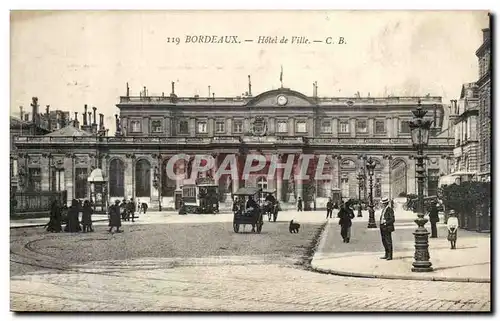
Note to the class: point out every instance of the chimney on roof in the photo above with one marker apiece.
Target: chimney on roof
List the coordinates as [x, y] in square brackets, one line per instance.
[58, 119]
[94, 123]
[27, 117]
[209, 94]
[76, 123]
[128, 90]
[49, 121]
[249, 86]
[101, 121]
[21, 112]
[85, 115]
[213, 96]
[173, 88]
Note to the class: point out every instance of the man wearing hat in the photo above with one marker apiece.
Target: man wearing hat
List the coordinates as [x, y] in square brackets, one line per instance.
[114, 217]
[387, 227]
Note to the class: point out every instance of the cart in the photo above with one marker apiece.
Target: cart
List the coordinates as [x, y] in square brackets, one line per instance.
[270, 204]
[200, 198]
[251, 216]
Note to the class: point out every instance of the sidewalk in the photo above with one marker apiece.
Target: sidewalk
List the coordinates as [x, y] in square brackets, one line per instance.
[470, 262]
[173, 217]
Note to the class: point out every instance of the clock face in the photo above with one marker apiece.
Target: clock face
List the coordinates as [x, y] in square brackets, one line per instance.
[282, 100]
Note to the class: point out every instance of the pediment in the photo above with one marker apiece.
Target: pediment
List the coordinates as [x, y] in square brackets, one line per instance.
[281, 98]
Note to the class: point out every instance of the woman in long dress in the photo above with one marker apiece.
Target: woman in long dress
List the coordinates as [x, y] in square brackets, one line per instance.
[452, 225]
[115, 217]
[54, 224]
[73, 224]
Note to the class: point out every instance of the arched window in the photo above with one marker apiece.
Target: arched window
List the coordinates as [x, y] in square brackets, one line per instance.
[142, 179]
[167, 183]
[116, 178]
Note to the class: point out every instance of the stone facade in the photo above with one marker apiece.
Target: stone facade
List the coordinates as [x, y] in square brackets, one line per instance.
[484, 84]
[152, 129]
[466, 129]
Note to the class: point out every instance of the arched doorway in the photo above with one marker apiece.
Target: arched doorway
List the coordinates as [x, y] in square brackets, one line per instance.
[143, 178]
[116, 178]
[399, 178]
[168, 184]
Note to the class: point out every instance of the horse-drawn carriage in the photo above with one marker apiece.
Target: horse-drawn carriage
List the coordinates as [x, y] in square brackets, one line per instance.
[200, 198]
[247, 210]
[270, 205]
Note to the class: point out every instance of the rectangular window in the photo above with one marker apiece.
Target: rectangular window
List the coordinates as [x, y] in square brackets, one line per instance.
[35, 179]
[183, 127]
[282, 126]
[361, 126]
[344, 126]
[404, 127]
[156, 126]
[379, 127]
[326, 126]
[81, 182]
[301, 127]
[220, 126]
[201, 127]
[135, 126]
[237, 126]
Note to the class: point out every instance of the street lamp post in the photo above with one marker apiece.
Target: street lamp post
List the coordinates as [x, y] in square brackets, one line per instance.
[157, 185]
[420, 137]
[360, 181]
[370, 166]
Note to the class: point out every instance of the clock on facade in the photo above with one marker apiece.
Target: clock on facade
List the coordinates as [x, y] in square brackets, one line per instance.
[282, 100]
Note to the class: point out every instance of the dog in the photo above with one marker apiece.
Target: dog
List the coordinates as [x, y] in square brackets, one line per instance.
[294, 227]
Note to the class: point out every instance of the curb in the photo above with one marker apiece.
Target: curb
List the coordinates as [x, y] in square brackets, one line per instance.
[41, 225]
[322, 242]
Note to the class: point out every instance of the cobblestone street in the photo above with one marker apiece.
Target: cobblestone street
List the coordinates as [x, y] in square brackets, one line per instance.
[207, 267]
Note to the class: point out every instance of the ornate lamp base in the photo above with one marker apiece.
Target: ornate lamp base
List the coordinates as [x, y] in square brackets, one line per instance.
[421, 263]
[371, 218]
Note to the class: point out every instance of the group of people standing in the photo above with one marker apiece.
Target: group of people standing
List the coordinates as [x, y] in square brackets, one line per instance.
[73, 215]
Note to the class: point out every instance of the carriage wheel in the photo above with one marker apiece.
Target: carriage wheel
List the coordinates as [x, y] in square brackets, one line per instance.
[236, 227]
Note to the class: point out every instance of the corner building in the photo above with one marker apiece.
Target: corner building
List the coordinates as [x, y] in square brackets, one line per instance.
[152, 129]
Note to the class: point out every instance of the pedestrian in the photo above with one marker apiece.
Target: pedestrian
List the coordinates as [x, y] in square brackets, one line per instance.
[452, 226]
[434, 219]
[123, 209]
[54, 225]
[346, 214]
[387, 227]
[139, 206]
[144, 207]
[299, 204]
[131, 209]
[329, 208]
[73, 224]
[115, 217]
[87, 212]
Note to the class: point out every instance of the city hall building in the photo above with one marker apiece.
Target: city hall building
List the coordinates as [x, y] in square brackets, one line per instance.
[152, 129]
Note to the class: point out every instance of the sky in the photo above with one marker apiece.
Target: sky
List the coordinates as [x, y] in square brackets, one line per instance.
[69, 58]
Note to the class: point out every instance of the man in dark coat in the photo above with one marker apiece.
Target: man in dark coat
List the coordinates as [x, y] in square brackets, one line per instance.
[299, 204]
[434, 219]
[346, 214]
[329, 208]
[115, 217]
[387, 227]
[131, 210]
